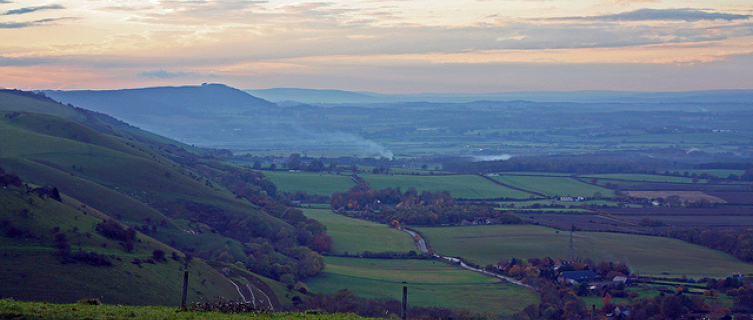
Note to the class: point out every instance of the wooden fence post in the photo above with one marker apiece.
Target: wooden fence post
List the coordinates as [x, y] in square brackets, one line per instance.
[404, 309]
[185, 291]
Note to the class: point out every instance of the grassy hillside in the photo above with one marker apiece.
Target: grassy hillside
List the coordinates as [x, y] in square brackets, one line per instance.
[355, 235]
[643, 254]
[124, 179]
[149, 183]
[34, 267]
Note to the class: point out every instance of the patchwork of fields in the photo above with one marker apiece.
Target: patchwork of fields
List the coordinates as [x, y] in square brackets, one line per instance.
[429, 282]
[645, 255]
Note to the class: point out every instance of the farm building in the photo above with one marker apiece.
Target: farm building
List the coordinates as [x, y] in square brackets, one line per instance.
[576, 277]
[623, 280]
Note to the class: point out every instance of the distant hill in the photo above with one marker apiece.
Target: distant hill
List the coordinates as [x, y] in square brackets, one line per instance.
[316, 96]
[312, 96]
[218, 116]
[163, 100]
[164, 110]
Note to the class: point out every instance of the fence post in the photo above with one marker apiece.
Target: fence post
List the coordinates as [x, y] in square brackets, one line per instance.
[404, 309]
[185, 291]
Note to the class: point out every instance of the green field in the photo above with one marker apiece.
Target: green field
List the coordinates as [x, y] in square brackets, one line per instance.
[311, 182]
[459, 186]
[554, 186]
[355, 235]
[429, 282]
[645, 255]
[642, 178]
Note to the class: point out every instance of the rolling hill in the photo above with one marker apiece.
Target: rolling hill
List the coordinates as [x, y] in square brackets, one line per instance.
[195, 114]
[166, 192]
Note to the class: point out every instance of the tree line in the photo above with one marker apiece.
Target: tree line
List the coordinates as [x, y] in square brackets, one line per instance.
[395, 207]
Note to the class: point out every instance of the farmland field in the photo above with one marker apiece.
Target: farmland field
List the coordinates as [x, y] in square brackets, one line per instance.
[310, 182]
[429, 282]
[459, 186]
[695, 221]
[641, 178]
[645, 255]
[355, 236]
[553, 186]
[689, 196]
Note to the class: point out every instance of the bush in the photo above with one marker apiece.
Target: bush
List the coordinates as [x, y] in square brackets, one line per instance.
[90, 302]
[158, 255]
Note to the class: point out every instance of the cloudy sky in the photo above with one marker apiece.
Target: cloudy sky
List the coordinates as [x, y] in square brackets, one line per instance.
[388, 46]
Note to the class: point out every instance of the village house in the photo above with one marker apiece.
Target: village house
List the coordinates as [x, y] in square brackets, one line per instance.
[577, 277]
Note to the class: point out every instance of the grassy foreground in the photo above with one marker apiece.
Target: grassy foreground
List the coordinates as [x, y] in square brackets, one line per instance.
[11, 309]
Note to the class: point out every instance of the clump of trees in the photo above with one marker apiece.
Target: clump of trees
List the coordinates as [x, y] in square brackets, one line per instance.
[66, 256]
[115, 231]
[285, 252]
[294, 264]
[48, 191]
[7, 178]
[393, 206]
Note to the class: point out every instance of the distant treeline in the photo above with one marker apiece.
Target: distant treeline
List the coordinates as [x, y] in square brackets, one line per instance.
[395, 207]
[590, 165]
[736, 242]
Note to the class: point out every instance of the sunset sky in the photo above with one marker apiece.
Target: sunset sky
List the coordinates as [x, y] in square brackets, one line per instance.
[379, 45]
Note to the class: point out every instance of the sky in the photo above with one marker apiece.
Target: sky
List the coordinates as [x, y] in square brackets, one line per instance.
[386, 46]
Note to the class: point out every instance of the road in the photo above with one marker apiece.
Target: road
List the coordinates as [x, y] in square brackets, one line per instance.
[484, 272]
[422, 246]
[421, 243]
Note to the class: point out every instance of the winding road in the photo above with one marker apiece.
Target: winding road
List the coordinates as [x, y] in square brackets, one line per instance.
[421, 243]
[422, 246]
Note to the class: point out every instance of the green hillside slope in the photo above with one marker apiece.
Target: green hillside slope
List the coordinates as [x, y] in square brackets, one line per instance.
[53, 252]
[93, 167]
[167, 191]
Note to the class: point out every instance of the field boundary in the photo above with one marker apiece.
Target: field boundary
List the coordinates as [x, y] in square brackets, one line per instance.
[513, 187]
